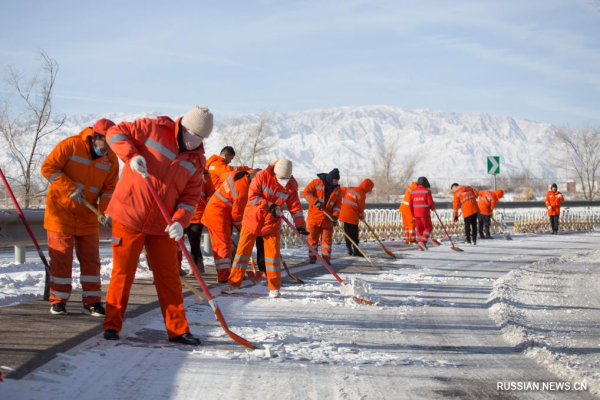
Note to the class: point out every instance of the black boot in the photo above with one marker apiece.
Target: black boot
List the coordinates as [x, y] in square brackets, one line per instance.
[186, 338]
[111, 334]
[349, 251]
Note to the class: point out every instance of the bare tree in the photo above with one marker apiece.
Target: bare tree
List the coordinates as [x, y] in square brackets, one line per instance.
[391, 176]
[26, 117]
[251, 141]
[580, 156]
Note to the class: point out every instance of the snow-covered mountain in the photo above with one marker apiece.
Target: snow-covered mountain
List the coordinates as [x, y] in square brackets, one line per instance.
[451, 146]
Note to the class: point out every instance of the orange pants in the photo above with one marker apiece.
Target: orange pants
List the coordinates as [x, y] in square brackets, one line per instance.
[162, 256]
[424, 228]
[410, 227]
[272, 259]
[60, 246]
[221, 247]
[326, 234]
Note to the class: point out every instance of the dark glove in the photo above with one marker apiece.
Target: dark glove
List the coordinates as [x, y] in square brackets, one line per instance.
[335, 221]
[319, 205]
[275, 210]
[302, 231]
[455, 219]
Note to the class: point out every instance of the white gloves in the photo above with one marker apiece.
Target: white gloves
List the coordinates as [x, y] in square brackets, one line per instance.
[77, 196]
[105, 220]
[175, 231]
[138, 164]
[549, 207]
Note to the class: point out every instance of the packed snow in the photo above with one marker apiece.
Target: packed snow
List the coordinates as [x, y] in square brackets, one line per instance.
[439, 327]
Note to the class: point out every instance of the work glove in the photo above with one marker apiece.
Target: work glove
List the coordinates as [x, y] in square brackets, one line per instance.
[275, 210]
[335, 221]
[138, 164]
[303, 231]
[549, 207]
[455, 219]
[319, 205]
[175, 231]
[105, 220]
[77, 196]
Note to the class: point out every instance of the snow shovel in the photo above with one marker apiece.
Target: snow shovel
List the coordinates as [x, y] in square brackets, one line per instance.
[336, 276]
[389, 253]
[209, 298]
[350, 239]
[254, 275]
[453, 247]
[451, 226]
[30, 232]
[287, 270]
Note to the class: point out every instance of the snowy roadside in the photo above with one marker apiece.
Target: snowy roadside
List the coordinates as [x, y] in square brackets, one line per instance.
[25, 282]
[550, 310]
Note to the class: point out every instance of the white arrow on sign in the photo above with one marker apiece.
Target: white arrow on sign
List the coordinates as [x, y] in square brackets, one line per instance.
[495, 165]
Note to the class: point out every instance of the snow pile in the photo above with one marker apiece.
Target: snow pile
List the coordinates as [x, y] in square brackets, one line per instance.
[549, 310]
[357, 287]
[25, 282]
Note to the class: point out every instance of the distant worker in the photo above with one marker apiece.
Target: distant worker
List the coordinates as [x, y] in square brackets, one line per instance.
[270, 190]
[171, 155]
[487, 203]
[323, 195]
[224, 211]
[408, 221]
[81, 167]
[465, 197]
[553, 200]
[353, 211]
[421, 204]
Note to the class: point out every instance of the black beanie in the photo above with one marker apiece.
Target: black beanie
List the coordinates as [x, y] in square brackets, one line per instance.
[554, 185]
[333, 174]
[454, 184]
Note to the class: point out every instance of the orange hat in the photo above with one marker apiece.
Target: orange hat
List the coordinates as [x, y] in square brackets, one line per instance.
[367, 185]
[499, 193]
[102, 126]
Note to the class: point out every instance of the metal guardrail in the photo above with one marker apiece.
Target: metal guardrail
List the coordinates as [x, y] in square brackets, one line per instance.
[13, 233]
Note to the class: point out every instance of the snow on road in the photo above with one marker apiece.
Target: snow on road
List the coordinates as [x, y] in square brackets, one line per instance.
[431, 334]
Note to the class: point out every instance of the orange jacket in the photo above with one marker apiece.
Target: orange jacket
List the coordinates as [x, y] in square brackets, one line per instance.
[553, 201]
[228, 203]
[176, 176]
[465, 197]
[353, 202]
[206, 191]
[487, 202]
[70, 166]
[404, 206]
[217, 167]
[315, 191]
[264, 190]
[421, 202]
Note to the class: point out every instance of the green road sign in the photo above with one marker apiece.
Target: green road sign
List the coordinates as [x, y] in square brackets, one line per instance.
[493, 164]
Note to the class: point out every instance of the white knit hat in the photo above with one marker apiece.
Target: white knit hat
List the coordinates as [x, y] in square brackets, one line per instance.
[199, 121]
[283, 168]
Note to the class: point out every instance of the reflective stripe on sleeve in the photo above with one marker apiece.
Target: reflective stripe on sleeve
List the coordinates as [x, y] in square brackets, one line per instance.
[54, 176]
[186, 207]
[159, 148]
[219, 195]
[189, 166]
[117, 138]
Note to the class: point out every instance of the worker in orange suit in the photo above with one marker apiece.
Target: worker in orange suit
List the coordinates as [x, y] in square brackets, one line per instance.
[465, 197]
[408, 221]
[553, 200]
[353, 211]
[80, 167]
[194, 231]
[323, 195]
[224, 210]
[486, 202]
[171, 154]
[270, 190]
[217, 165]
[421, 204]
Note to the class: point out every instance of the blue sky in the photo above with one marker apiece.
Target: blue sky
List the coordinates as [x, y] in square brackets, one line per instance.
[538, 60]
